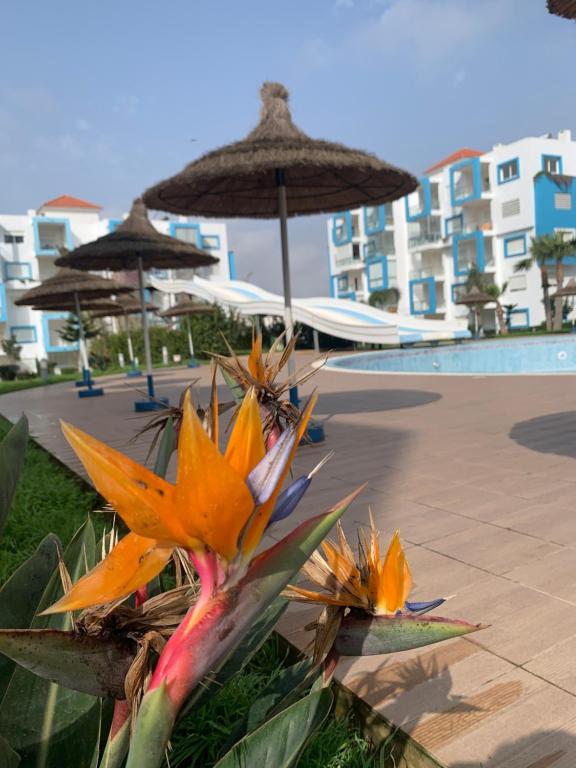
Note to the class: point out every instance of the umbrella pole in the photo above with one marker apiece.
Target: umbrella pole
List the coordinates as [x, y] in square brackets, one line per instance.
[288, 317]
[147, 352]
[82, 343]
[192, 363]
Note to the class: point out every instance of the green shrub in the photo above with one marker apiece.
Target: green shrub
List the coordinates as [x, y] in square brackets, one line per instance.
[207, 333]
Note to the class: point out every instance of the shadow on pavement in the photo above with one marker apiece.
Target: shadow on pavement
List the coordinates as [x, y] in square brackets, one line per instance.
[373, 400]
[553, 433]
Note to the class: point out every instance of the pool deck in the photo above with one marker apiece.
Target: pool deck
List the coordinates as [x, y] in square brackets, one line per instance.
[479, 475]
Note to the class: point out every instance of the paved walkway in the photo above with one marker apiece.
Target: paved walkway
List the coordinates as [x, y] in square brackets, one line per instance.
[479, 475]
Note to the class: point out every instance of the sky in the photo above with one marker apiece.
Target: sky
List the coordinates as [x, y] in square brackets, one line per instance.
[102, 99]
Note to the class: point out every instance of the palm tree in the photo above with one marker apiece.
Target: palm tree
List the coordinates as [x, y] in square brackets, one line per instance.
[480, 280]
[384, 298]
[546, 250]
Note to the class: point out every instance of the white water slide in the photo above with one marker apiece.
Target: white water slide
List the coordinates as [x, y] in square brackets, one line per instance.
[342, 318]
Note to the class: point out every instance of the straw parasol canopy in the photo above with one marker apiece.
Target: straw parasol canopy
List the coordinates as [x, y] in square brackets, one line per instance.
[136, 245]
[187, 307]
[241, 179]
[564, 8]
[568, 290]
[123, 305]
[61, 289]
[476, 296]
[134, 240]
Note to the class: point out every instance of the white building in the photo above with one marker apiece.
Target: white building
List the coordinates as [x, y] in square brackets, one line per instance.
[29, 246]
[472, 208]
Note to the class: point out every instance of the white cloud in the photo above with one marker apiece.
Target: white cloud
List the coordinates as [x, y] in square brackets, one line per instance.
[316, 53]
[431, 29]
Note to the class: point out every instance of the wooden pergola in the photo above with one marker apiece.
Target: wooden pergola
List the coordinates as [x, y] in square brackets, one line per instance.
[564, 8]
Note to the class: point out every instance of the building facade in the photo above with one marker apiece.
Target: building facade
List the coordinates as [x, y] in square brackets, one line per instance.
[29, 247]
[470, 209]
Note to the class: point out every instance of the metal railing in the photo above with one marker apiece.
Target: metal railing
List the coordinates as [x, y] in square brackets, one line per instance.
[426, 239]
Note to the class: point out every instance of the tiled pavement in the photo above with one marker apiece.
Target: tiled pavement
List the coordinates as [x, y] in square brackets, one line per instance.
[478, 473]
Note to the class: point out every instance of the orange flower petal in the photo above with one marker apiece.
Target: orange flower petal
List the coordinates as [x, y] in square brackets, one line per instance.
[133, 562]
[261, 518]
[246, 444]
[394, 573]
[308, 595]
[212, 501]
[344, 570]
[141, 498]
[255, 363]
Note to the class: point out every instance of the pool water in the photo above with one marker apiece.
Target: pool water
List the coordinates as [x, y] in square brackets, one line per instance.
[543, 355]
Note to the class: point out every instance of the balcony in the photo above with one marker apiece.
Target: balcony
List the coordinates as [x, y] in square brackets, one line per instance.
[427, 239]
[51, 236]
[469, 182]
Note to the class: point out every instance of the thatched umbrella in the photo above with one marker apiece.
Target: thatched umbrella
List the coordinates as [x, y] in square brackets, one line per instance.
[564, 8]
[69, 290]
[568, 290]
[122, 307]
[476, 299]
[278, 171]
[136, 245]
[186, 308]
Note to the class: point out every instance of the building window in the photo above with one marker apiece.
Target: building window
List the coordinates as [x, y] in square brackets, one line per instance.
[517, 283]
[11, 238]
[552, 164]
[508, 171]
[187, 233]
[511, 208]
[377, 274]
[210, 242]
[374, 219]
[356, 251]
[16, 270]
[515, 245]
[563, 201]
[423, 296]
[24, 334]
[342, 229]
[343, 283]
[458, 291]
[454, 225]
[520, 318]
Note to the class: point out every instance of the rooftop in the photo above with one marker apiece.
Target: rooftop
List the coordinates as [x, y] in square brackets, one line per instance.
[67, 201]
[460, 154]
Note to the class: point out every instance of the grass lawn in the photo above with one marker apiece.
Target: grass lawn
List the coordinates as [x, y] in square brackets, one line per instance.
[49, 499]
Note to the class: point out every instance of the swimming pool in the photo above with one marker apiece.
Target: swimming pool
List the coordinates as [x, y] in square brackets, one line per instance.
[520, 356]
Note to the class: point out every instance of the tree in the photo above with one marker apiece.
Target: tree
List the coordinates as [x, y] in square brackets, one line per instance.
[384, 298]
[11, 348]
[547, 250]
[482, 281]
[71, 332]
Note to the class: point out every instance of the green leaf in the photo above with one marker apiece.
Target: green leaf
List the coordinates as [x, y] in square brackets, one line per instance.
[206, 644]
[235, 388]
[117, 747]
[97, 666]
[283, 688]
[32, 706]
[372, 635]
[280, 741]
[165, 449]
[12, 453]
[8, 758]
[20, 595]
